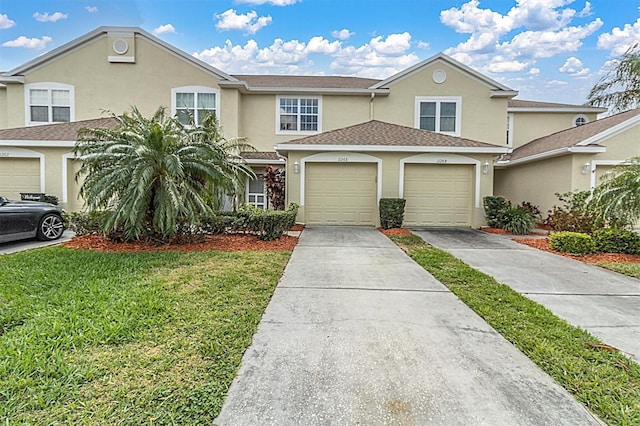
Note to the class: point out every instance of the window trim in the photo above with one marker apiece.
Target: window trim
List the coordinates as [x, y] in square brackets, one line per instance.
[438, 100]
[264, 205]
[49, 86]
[510, 118]
[577, 117]
[195, 90]
[297, 132]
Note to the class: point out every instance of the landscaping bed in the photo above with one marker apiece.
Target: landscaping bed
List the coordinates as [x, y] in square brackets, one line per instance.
[223, 242]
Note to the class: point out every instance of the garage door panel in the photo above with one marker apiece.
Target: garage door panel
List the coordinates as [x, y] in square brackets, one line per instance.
[340, 194]
[19, 175]
[438, 195]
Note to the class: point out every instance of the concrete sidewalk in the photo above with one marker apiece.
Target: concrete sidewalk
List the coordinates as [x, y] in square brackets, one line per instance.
[358, 334]
[605, 303]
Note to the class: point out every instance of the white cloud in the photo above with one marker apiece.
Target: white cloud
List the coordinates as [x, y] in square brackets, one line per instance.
[29, 43]
[5, 22]
[379, 58]
[530, 30]
[91, 9]
[557, 83]
[574, 67]
[45, 17]
[424, 45]
[271, 2]
[164, 29]
[620, 39]
[342, 34]
[249, 22]
[534, 71]
[586, 11]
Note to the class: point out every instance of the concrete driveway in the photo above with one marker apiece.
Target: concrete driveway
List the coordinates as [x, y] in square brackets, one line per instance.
[16, 246]
[605, 303]
[358, 334]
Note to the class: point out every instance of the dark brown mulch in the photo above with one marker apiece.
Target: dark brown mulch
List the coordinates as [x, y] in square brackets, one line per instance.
[395, 231]
[543, 244]
[234, 242]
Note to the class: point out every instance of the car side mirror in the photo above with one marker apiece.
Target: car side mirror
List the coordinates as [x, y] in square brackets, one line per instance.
[3, 201]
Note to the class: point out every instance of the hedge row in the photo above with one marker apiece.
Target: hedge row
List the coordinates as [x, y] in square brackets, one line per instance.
[266, 224]
[602, 241]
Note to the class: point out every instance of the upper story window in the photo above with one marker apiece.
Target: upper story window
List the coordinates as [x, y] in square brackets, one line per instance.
[510, 129]
[195, 102]
[48, 103]
[580, 120]
[298, 115]
[438, 114]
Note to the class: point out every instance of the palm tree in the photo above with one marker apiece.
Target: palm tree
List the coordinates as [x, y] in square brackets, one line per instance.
[620, 88]
[152, 174]
[616, 200]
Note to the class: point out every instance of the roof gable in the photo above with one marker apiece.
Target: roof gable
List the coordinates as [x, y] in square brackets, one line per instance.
[497, 88]
[575, 139]
[102, 32]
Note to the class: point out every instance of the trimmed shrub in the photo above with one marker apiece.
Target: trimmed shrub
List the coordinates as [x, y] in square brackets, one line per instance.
[518, 220]
[85, 223]
[494, 209]
[573, 216]
[576, 243]
[391, 212]
[51, 199]
[614, 240]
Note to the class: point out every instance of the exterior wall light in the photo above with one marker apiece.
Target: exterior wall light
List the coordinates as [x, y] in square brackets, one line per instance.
[485, 168]
[296, 167]
[585, 168]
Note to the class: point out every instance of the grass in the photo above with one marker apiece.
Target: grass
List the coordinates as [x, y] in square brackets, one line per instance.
[126, 338]
[605, 381]
[631, 269]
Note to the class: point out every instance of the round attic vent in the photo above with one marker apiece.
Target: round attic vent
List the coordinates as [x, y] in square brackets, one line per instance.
[439, 76]
[120, 47]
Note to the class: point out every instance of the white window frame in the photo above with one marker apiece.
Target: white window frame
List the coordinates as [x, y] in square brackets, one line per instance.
[49, 86]
[578, 117]
[438, 100]
[195, 90]
[253, 197]
[298, 132]
[510, 129]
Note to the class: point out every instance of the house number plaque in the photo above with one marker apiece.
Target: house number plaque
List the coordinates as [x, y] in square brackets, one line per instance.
[441, 161]
[343, 159]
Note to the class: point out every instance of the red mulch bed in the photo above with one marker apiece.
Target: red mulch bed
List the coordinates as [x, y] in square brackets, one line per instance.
[543, 244]
[297, 228]
[495, 231]
[236, 242]
[395, 231]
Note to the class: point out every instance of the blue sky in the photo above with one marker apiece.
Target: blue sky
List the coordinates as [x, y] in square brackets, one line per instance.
[552, 50]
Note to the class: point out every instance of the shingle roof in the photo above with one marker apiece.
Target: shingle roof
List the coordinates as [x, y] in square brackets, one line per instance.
[379, 133]
[260, 155]
[307, 81]
[570, 137]
[55, 132]
[521, 103]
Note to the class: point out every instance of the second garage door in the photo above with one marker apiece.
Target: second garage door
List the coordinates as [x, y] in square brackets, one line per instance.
[341, 193]
[438, 195]
[19, 175]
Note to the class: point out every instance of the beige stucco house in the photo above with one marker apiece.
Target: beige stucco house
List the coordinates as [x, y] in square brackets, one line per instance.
[438, 134]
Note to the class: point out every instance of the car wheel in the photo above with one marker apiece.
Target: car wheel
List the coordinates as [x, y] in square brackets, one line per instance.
[51, 227]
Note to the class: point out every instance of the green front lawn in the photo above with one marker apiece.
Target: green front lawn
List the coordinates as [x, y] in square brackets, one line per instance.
[605, 381]
[126, 338]
[631, 269]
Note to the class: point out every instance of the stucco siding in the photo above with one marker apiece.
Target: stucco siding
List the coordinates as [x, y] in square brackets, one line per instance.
[483, 118]
[528, 126]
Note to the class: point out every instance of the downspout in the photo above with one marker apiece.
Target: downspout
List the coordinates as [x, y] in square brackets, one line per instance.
[373, 95]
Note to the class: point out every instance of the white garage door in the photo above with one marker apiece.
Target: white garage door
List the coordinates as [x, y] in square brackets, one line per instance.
[438, 195]
[340, 193]
[19, 175]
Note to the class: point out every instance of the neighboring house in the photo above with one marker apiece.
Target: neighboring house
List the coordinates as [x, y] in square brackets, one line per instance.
[429, 134]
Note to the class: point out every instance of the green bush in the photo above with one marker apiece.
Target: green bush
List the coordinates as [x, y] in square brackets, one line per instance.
[576, 243]
[85, 223]
[573, 215]
[518, 220]
[391, 212]
[614, 240]
[51, 199]
[495, 208]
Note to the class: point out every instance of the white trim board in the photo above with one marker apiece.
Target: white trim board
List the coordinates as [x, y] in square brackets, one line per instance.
[594, 166]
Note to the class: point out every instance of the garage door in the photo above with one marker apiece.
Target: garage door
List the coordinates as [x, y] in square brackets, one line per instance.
[601, 171]
[438, 195]
[19, 175]
[340, 193]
